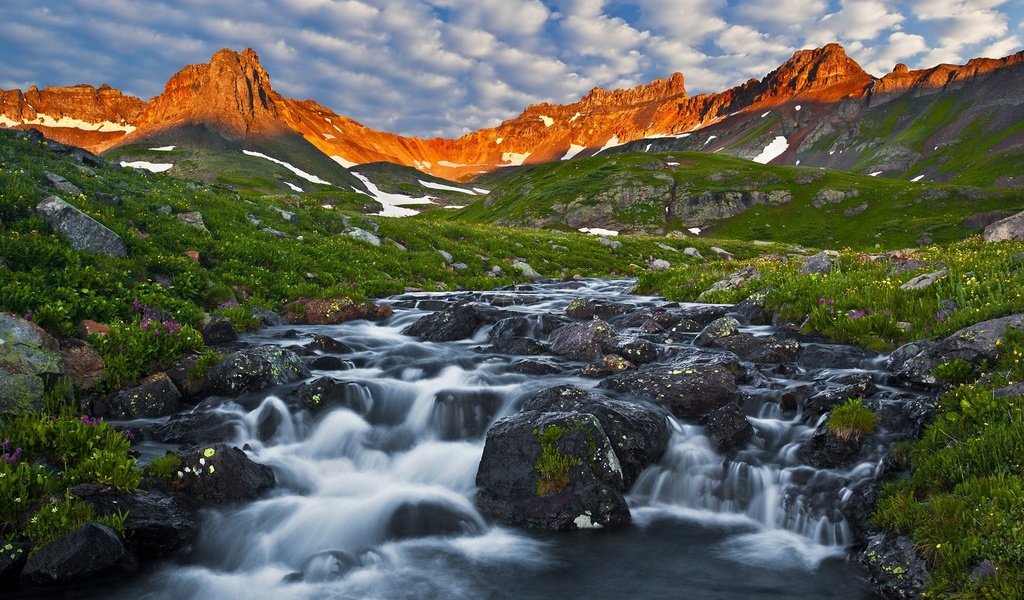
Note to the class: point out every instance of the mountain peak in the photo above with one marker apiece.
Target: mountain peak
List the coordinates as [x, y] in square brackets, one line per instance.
[814, 69]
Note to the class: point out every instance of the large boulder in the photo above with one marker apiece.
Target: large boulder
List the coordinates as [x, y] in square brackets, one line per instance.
[222, 474]
[637, 350]
[326, 393]
[189, 429]
[688, 390]
[155, 396]
[915, 362]
[760, 349]
[79, 229]
[582, 340]
[1010, 228]
[550, 471]
[454, 323]
[218, 330]
[92, 551]
[29, 358]
[638, 434]
[716, 330]
[894, 566]
[734, 281]
[254, 369]
[158, 523]
[728, 427]
[585, 309]
[331, 311]
[82, 363]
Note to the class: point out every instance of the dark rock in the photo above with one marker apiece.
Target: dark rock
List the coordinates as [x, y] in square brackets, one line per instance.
[463, 414]
[717, 330]
[638, 434]
[637, 350]
[185, 378]
[761, 349]
[328, 565]
[80, 230]
[106, 198]
[158, 523]
[221, 474]
[752, 310]
[728, 426]
[82, 363]
[327, 393]
[85, 157]
[1016, 389]
[827, 399]
[455, 322]
[324, 343]
[792, 399]
[535, 366]
[422, 518]
[582, 340]
[984, 570]
[266, 317]
[90, 552]
[820, 264]
[826, 450]
[702, 313]
[155, 396]
[193, 219]
[29, 357]
[254, 369]
[268, 422]
[689, 391]
[328, 363]
[189, 429]
[218, 330]
[584, 309]
[13, 555]
[570, 480]
[895, 568]
[518, 346]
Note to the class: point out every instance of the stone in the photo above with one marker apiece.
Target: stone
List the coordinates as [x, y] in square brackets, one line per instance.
[192, 219]
[105, 198]
[581, 340]
[585, 309]
[827, 196]
[894, 566]
[276, 233]
[687, 390]
[362, 235]
[464, 414]
[254, 369]
[613, 244]
[826, 450]
[82, 363]
[155, 396]
[189, 429]
[164, 210]
[819, 264]
[323, 343]
[535, 366]
[62, 185]
[728, 427]
[722, 253]
[80, 230]
[659, 265]
[448, 258]
[635, 350]
[218, 330]
[455, 322]
[1008, 229]
[13, 555]
[926, 280]
[717, 330]
[732, 282]
[222, 474]
[326, 393]
[91, 552]
[525, 269]
[825, 400]
[267, 317]
[87, 327]
[29, 358]
[760, 349]
[331, 311]
[421, 518]
[551, 471]
[693, 253]
[158, 524]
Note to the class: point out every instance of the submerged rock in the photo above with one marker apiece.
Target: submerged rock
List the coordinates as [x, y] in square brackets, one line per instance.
[454, 323]
[221, 474]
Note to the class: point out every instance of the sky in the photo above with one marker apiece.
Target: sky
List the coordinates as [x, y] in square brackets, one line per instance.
[445, 67]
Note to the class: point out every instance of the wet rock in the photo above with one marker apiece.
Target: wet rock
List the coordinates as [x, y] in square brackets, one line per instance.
[827, 399]
[328, 565]
[155, 396]
[634, 349]
[550, 471]
[761, 349]
[455, 322]
[728, 427]
[519, 346]
[328, 363]
[638, 434]
[820, 264]
[323, 343]
[792, 399]
[189, 429]
[193, 219]
[1010, 228]
[254, 369]
[688, 391]
[326, 393]
[82, 363]
[80, 230]
[221, 474]
[535, 366]
[702, 313]
[717, 330]
[895, 568]
[422, 518]
[331, 311]
[13, 555]
[218, 330]
[91, 552]
[584, 309]
[922, 281]
[462, 414]
[826, 450]
[185, 377]
[582, 340]
[158, 523]
[753, 310]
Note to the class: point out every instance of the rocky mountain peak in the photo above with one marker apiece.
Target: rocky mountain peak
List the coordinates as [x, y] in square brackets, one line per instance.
[810, 70]
[659, 89]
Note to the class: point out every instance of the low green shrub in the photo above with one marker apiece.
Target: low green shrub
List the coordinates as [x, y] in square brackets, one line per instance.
[851, 420]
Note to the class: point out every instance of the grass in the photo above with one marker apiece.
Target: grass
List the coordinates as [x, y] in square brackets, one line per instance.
[851, 420]
[552, 465]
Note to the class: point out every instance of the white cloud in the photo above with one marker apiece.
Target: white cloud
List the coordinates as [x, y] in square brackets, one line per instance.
[901, 47]
[1003, 47]
[855, 20]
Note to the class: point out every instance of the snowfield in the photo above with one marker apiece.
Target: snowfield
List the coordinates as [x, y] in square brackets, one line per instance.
[307, 176]
[148, 166]
[393, 204]
[450, 188]
[772, 151]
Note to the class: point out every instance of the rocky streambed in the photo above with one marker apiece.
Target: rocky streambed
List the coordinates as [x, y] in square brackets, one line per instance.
[561, 439]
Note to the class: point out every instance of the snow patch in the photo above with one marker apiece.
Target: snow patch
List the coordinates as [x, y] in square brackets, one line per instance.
[597, 231]
[392, 203]
[148, 166]
[573, 150]
[765, 114]
[575, 116]
[918, 178]
[798, 107]
[548, 121]
[328, 136]
[798, 163]
[422, 165]
[307, 176]
[293, 187]
[103, 126]
[710, 137]
[772, 151]
[648, 148]
[611, 143]
[343, 162]
[163, 148]
[455, 206]
[694, 230]
[450, 188]
[514, 159]
[481, 191]
[499, 140]
[444, 163]
[7, 122]
[875, 174]
[671, 164]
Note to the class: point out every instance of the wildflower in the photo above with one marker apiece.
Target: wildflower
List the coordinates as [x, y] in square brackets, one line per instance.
[28, 316]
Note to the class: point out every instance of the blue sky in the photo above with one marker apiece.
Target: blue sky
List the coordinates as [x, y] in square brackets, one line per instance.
[443, 67]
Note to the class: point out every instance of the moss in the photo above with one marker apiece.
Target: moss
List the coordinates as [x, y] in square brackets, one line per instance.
[552, 465]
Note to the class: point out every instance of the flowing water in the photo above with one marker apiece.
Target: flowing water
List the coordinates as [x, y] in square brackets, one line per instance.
[381, 506]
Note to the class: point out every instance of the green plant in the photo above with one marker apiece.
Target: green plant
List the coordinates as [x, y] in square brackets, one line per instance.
[851, 420]
[163, 467]
[955, 372]
[60, 516]
[552, 465]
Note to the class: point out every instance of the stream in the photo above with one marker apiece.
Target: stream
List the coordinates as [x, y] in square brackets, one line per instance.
[381, 506]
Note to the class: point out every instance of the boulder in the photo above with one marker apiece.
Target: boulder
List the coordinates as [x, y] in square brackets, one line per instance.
[218, 330]
[634, 349]
[716, 331]
[535, 366]
[521, 346]
[158, 523]
[926, 280]
[688, 390]
[732, 282]
[254, 369]
[189, 429]
[155, 396]
[92, 551]
[455, 322]
[422, 518]
[693, 253]
[1008, 229]
[13, 555]
[267, 317]
[826, 450]
[659, 264]
[62, 185]
[728, 427]
[582, 340]
[722, 253]
[362, 235]
[326, 393]
[323, 343]
[193, 219]
[638, 434]
[819, 264]
[827, 399]
[82, 363]
[584, 309]
[550, 471]
[186, 379]
[760, 349]
[221, 474]
[894, 566]
[80, 230]
[105, 198]
[29, 358]
[331, 311]
[525, 269]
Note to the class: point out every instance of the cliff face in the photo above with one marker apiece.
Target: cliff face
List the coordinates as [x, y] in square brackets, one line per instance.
[232, 95]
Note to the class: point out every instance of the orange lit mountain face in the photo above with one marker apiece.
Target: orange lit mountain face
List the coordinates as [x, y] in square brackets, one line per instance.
[232, 96]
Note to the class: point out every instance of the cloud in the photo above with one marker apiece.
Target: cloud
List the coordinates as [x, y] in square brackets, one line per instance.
[901, 47]
[1003, 47]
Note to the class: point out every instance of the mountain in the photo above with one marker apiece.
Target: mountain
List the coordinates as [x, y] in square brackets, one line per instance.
[819, 108]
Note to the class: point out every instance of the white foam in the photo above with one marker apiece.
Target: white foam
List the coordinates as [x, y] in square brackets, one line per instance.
[597, 231]
[392, 203]
[163, 148]
[148, 166]
[573, 150]
[450, 188]
[293, 187]
[307, 176]
[772, 151]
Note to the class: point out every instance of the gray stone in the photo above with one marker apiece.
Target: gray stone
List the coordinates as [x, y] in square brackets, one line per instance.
[62, 185]
[827, 196]
[80, 230]
[733, 281]
[659, 265]
[693, 253]
[286, 215]
[665, 247]
[254, 369]
[192, 219]
[28, 358]
[275, 232]
[362, 235]
[717, 330]
[922, 281]
[523, 267]
[821, 264]
[1010, 228]
[581, 340]
[610, 243]
[91, 551]
[164, 210]
[722, 253]
[446, 256]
